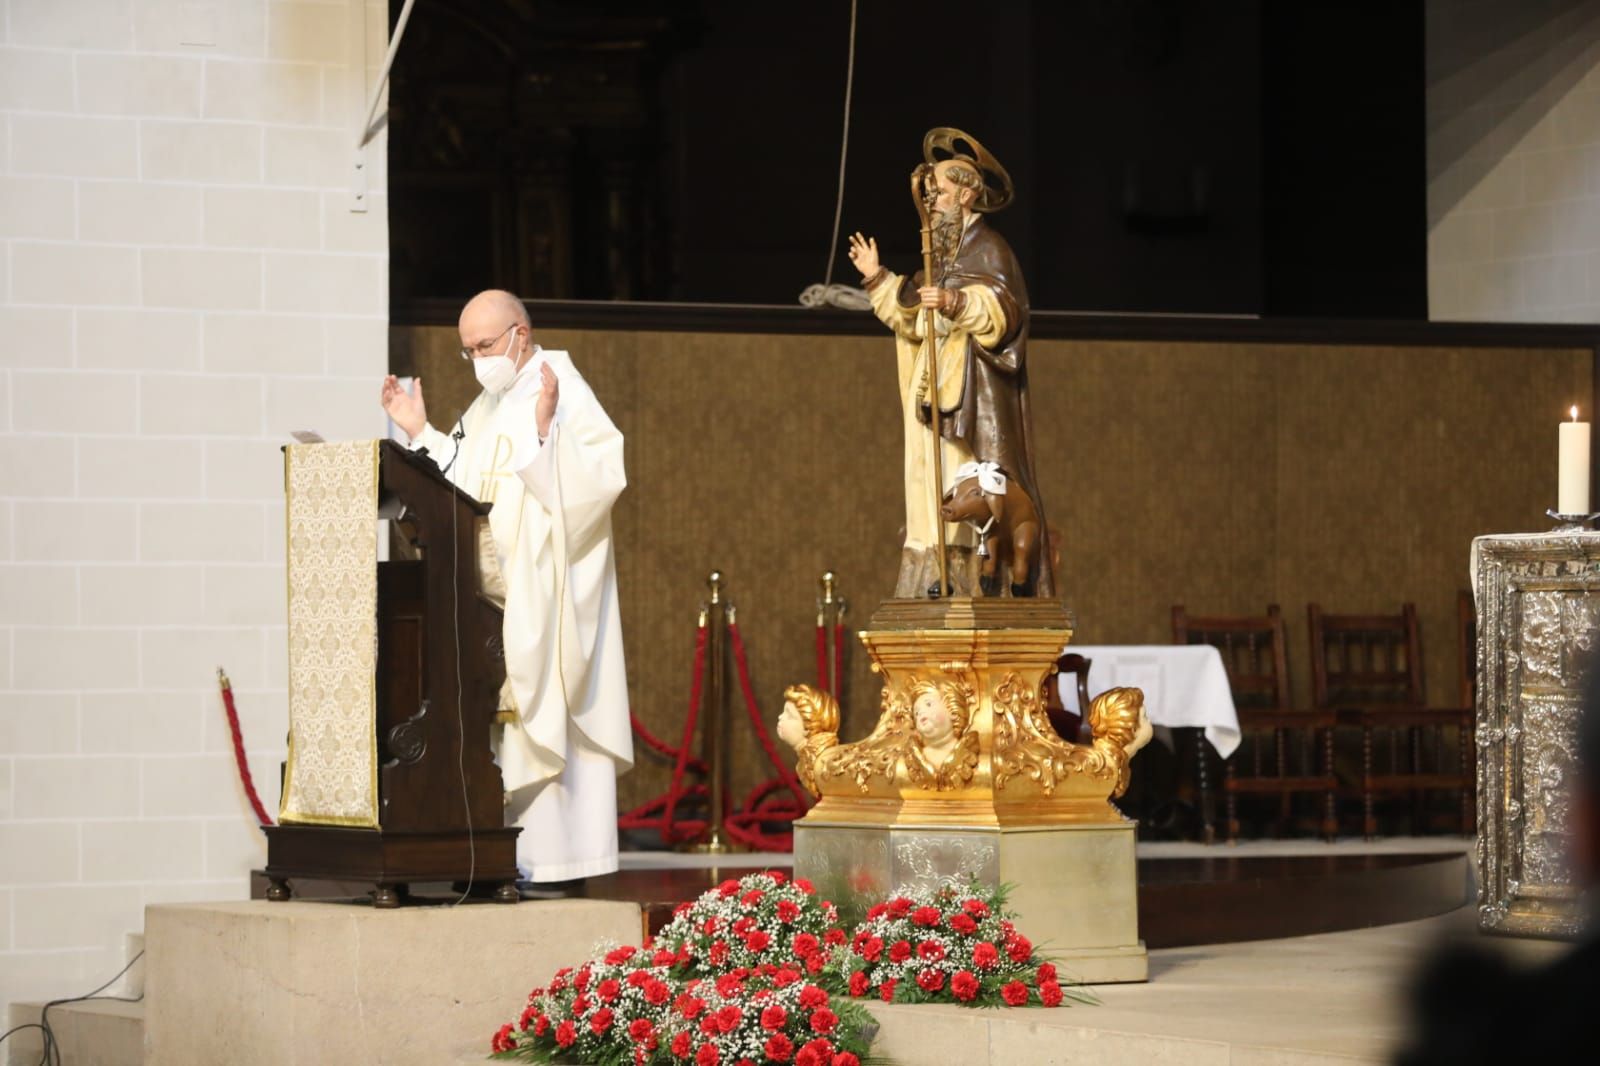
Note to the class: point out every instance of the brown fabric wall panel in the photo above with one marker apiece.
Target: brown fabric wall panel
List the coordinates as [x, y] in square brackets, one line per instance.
[1392, 460]
[1157, 463]
[1223, 476]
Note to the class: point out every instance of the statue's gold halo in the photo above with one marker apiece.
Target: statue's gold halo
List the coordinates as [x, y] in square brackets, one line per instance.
[998, 192]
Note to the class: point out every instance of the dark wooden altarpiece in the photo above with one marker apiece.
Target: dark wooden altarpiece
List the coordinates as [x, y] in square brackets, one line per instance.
[440, 666]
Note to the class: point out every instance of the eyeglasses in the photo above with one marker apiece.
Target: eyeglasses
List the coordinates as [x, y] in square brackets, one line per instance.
[483, 348]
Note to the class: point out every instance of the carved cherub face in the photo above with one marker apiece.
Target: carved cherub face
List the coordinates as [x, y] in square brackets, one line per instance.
[932, 718]
[1141, 735]
[1117, 715]
[791, 727]
[807, 712]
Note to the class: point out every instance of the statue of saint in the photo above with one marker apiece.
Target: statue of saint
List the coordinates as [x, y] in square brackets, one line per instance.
[977, 303]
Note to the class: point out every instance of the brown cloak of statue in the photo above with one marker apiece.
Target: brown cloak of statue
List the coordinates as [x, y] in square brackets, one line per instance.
[994, 417]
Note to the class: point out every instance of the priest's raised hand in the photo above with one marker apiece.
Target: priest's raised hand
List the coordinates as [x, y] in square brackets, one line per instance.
[406, 409]
[549, 396]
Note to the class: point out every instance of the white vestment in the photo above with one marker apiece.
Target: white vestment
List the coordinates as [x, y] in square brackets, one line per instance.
[551, 522]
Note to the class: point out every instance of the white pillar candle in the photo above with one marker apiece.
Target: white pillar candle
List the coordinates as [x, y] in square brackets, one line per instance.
[1573, 489]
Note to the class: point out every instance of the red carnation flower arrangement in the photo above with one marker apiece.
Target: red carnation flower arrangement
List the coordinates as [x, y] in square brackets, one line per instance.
[761, 918]
[759, 970]
[741, 974]
[950, 946]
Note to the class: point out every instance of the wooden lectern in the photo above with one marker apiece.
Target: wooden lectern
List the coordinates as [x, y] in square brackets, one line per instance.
[439, 669]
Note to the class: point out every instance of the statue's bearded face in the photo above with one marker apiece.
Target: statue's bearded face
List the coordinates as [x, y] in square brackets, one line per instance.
[947, 199]
[951, 203]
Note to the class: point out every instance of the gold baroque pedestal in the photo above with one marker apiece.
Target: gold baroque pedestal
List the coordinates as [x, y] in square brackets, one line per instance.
[963, 777]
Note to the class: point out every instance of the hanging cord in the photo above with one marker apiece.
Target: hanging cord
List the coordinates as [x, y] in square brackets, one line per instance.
[461, 721]
[844, 145]
[828, 293]
[239, 759]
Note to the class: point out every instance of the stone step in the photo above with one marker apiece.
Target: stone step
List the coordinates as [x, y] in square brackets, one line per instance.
[131, 984]
[347, 983]
[93, 1033]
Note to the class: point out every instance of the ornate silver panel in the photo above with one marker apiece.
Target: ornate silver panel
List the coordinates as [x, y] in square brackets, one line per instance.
[923, 861]
[860, 866]
[1538, 602]
[848, 865]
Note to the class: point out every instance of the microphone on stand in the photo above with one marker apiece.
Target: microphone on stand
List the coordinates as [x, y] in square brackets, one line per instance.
[456, 435]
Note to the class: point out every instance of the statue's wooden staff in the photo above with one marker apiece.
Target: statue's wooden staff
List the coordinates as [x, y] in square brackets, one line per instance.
[922, 192]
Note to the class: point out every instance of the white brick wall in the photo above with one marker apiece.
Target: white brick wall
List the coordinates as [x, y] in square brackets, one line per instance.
[1513, 111]
[181, 283]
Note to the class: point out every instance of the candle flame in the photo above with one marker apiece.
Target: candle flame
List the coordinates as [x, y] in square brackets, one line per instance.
[1574, 413]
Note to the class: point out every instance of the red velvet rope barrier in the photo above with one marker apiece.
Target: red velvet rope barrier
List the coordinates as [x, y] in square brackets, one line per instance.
[742, 824]
[838, 660]
[659, 746]
[764, 804]
[660, 812]
[668, 834]
[239, 759]
[822, 656]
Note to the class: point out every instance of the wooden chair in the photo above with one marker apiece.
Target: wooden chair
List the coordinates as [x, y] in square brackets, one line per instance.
[1367, 669]
[1063, 721]
[1254, 652]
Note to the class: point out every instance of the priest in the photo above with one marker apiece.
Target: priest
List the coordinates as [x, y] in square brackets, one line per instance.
[538, 448]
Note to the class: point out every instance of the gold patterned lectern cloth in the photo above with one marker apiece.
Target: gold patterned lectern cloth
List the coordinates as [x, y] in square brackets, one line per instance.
[332, 491]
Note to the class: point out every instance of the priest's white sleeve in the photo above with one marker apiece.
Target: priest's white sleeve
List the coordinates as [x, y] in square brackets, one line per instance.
[438, 444]
[578, 472]
[573, 478]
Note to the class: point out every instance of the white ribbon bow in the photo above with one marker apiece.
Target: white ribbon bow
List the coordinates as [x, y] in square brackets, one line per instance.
[990, 478]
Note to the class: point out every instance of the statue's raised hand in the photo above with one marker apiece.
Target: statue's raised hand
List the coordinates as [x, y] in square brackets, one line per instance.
[864, 254]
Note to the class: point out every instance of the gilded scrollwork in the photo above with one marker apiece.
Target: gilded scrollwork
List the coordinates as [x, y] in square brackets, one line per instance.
[810, 723]
[925, 738]
[1026, 745]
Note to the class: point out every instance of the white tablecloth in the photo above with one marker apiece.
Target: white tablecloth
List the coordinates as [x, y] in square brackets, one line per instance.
[1185, 686]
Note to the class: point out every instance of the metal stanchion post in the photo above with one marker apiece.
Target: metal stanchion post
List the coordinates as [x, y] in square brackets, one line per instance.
[715, 737]
[825, 621]
[831, 609]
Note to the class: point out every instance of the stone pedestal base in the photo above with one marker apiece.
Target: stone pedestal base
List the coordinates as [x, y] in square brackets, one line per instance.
[293, 984]
[1075, 888]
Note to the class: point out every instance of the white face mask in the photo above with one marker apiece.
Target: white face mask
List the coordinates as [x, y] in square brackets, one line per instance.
[496, 372]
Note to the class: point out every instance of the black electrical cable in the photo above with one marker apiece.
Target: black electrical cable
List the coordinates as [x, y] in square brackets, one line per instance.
[52, 1053]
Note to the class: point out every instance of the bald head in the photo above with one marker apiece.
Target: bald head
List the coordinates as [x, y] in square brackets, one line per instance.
[960, 179]
[489, 317]
[496, 303]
